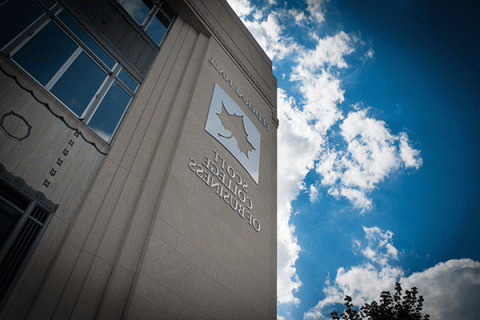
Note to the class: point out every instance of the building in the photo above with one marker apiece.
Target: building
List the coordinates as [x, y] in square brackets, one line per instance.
[137, 162]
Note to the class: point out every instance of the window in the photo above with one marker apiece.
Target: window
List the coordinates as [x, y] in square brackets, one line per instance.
[52, 47]
[153, 16]
[22, 223]
[16, 16]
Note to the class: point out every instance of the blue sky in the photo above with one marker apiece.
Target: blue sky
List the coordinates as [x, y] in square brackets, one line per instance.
[378, 155]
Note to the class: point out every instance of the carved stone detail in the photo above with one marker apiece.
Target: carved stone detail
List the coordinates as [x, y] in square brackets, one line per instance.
[20, 120]
[47, 106]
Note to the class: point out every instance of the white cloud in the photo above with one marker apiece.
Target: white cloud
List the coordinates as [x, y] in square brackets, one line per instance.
[301, 140]
[451, 290]
[298, 15]
[329, 52]
[372, 153]
[241, 7]
[269, 33]
[297, 148]
[313, 193]
[366, 281]
[410, 156]
[316, 9]
[264, 25]
[356, 197]
[299, 143]
[322, 93]
[380, 248]
[370, 54]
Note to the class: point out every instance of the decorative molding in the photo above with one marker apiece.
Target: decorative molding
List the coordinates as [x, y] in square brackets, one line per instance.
[14, 114]
[275, 121]
[28, 190]
[61, 118]
[205, 16]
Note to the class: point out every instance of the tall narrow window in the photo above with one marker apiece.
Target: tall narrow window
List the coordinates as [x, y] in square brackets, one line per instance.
[22, 223]
[153, 16]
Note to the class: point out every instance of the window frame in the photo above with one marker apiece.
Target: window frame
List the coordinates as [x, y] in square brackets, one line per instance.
[50, 15]
[158, 6]
[18, 232]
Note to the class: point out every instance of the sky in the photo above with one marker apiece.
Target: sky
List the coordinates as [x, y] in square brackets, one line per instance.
[378, 151]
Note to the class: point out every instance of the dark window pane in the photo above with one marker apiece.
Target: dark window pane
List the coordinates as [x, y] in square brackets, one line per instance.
[15, 16]
[165, 16]
[128, 80]
[149, 3]
[75, 28]
[7, 192]
[158, 27]
[43, 55]
[110, 111]
[48, 3]
[167, 11]
[138, 9]
[8, 219]
[79, 83]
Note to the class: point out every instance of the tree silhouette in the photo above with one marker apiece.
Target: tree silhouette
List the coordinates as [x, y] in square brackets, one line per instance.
[398, 307]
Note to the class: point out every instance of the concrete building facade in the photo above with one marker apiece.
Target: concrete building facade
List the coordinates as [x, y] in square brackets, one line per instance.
[137, 162]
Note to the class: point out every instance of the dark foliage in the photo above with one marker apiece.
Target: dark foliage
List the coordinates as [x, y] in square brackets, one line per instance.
[398, 307]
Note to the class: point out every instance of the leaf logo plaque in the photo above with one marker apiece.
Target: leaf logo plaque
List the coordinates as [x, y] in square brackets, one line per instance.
[230, 126]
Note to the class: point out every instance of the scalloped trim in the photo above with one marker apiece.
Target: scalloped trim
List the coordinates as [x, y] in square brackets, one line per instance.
[77, 132]
[28, 190]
